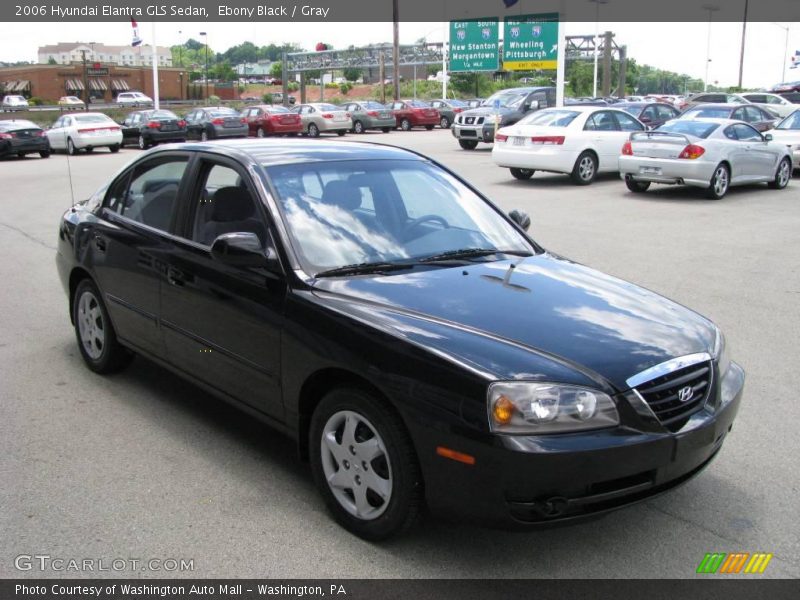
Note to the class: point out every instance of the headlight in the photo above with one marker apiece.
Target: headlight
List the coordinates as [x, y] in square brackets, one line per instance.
[720, 353]
[494, 119]
[533, 408]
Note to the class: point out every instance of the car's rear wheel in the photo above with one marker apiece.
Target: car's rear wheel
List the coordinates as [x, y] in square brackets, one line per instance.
[313, 130]
[358, 127]
[783, 175]
[340, 133]
[444, 123]
[585, 169]
[204, 137]
[71, 149]
[21, 154]
[637, 187]
[114, 148]
[260, 132]
[97, 340]
[405, 125]
[522, 173]
[45, 154]
[386, 129]
[720, 182]
[143, 144]
[468, 144]
[429, 127]
[364, 464]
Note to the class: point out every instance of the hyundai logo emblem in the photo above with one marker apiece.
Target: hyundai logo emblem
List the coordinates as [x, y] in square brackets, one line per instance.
[686, 393]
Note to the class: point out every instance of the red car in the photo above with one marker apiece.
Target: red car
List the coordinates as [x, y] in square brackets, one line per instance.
[264, 120]
[414, 113]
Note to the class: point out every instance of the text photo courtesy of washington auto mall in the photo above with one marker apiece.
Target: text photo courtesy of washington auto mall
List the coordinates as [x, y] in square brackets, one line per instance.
[402, 298]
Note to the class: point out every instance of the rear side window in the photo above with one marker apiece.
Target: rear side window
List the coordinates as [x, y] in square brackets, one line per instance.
[601, 121]
[151, 195]
[627, 122]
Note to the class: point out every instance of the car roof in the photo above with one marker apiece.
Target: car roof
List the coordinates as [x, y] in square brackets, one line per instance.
[716, 120]
[268, 152]
[640, 104]
[706, 105]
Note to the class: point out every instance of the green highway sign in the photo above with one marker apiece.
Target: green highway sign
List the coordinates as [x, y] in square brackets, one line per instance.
[530, 42]
[474, 45]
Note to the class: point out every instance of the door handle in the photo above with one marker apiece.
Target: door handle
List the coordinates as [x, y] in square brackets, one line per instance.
[175, 277]
[100, 243]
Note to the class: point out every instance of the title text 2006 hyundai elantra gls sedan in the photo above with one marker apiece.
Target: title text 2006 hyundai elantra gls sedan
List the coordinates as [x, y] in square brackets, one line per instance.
[417, 344]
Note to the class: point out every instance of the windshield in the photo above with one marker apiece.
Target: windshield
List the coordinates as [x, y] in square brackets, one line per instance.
[162, 114]
[695, 128]
[223, 112]
[458, 103]
[507, 98]
[343, 213]
[278, 109]
[373, 105]
[711, 112]
[92, 119]
[550, 118]
[418, 104]
[790, 122]
[326, 107]
[17, 124]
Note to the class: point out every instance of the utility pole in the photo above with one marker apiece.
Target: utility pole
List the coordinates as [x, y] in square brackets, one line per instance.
[607, 49]
[623, 71]
[382, 75]
[396, 49]
[85, 80]
[744, 36]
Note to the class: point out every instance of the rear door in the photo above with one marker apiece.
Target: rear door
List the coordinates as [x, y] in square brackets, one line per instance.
[606, 137]
[56, 134]
[130, 242]
[222, 324]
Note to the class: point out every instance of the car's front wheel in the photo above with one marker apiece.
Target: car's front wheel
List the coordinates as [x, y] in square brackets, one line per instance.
[405, 125]
[114, 148]
[429, 127]
[97, 339]
[313, 130]
[386, 129]
[71, 149]
[45, 153]
[260, 132]
[358, 127]
[522, 173]
[444, 123]
[637, 187]
[782, 175]
[468, 144]
[364, 464]
[143, 143]
[720, 182]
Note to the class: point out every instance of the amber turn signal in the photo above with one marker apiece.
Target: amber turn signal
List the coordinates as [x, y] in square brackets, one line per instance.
[467, 459]
[503, 410]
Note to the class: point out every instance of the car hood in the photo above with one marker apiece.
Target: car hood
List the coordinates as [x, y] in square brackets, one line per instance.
[787, 136]
[527, 310]
[482, 111]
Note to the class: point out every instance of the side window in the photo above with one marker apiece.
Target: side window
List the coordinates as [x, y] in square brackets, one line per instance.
[225, 205]
[739, 115]
[773, 100]
[730, 133]
[757, 98]
[746, 133]
[539, 97]
[602, 121]
[59, 123]
[627, 122]
[649, 114]
[666, 112]
[150, 197]
[754, 115]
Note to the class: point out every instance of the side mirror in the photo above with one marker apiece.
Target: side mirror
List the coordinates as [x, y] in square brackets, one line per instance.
[767, 137]
[521, 218]
[242, 249]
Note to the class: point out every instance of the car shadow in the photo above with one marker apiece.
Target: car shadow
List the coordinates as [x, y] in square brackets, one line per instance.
[679, 193]
[555, 180]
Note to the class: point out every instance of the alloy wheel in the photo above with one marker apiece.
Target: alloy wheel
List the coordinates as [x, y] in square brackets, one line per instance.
[91, 325]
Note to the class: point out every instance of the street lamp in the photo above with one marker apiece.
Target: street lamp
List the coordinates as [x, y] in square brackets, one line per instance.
[744, 37]
[180, 49]
[785, 49]
[597, 4]
[181, 78]
[203, 34]
[711, 8]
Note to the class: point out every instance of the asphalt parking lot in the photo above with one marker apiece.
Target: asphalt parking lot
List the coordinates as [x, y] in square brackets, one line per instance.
[142, 465]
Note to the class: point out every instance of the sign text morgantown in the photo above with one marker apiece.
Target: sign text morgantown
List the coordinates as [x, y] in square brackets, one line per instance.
[105, 10]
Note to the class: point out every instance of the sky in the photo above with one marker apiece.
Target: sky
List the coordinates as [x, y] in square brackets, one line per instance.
[679, 47]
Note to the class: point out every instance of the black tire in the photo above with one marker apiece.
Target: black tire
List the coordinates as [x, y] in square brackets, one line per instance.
[398, 462]
[88, 149]
[45, 154]
[313, 130]
[522, 173]
[637, 187]
[340, 133]
[783, 174]
[112, 356]
[585, 169]
[429, 127]
[204, 136]
[143, 143]
[358, 127]
[114, 148]
[468, 144]
[71, 149]
[20, 154]
[386, 129]
[260, 132]
[720, 182]
[444, 123]
[405, 125]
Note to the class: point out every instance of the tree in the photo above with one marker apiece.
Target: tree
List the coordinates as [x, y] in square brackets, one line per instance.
[51, 61]
[276, 70]
[352, 74]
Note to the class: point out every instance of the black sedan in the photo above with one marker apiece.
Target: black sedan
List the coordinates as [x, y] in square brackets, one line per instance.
[413, 340]
[652, 114]
[19, 137]
[147, 128]
[213, 122]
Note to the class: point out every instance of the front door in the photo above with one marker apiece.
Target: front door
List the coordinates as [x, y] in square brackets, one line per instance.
[222, 323]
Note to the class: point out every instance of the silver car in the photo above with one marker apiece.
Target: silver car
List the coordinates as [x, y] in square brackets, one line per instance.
[713, 154]
[323, 118]
[788, 132]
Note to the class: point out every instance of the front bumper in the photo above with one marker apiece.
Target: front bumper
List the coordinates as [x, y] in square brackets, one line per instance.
[480, 133]
[667, 170]
[528, 481]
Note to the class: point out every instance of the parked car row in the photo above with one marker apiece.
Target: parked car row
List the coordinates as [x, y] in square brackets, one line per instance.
[713, 151]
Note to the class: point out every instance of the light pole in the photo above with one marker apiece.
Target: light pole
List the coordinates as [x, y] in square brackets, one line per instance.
[711, 8]
[744, 37]
[597, 4]
[785, 49]
[180, 49]
[204, 35]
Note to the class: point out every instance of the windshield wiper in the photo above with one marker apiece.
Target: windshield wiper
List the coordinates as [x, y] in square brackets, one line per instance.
[364, 269]
[471, 253]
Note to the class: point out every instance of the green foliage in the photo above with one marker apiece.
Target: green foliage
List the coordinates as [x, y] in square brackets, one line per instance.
[331, 86]
[352, 74]
[36, 101]
[293, 86]
[51, 61]
[213, 99]
[276, 70]
[344, 88]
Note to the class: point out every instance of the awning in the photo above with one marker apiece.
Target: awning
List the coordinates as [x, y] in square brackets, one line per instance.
[19, 86]
[119, 85]
[98, 85]
[75, 84]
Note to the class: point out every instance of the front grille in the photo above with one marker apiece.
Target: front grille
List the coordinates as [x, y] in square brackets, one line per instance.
[669, 398]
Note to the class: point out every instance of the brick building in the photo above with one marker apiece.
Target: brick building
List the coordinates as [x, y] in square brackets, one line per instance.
[99, 81]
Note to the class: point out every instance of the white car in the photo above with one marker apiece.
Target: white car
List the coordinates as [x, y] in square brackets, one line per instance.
[70, 102]
[712, 154]
[134, 99]
[581, 141]
[788, 132]
[772, 102]
[85, 131]
[12, 103]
